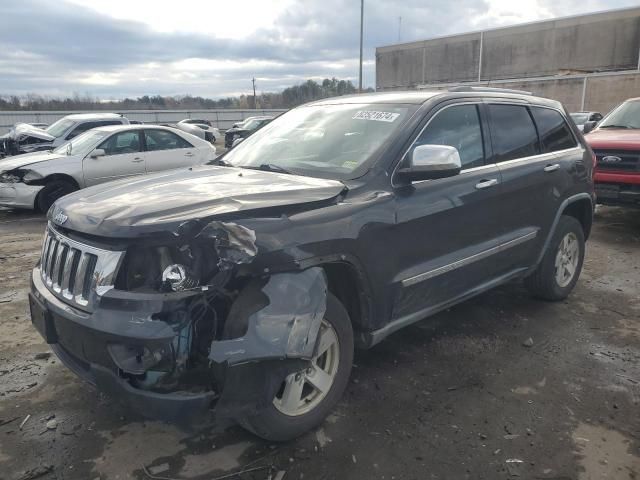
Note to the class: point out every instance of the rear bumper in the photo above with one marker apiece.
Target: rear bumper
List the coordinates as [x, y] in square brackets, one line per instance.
[18, 195]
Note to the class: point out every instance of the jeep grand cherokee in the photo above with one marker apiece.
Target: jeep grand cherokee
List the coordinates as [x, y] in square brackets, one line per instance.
[241, 289]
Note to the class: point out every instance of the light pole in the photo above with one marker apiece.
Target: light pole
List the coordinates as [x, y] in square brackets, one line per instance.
[361, 31]
[255, 100]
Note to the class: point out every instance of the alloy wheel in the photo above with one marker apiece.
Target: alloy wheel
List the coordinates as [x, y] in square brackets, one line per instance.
[302, 391]
[567, 259]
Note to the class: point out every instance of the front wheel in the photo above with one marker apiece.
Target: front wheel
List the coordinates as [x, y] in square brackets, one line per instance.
[306, 397]
[53, 191]
[561, 265]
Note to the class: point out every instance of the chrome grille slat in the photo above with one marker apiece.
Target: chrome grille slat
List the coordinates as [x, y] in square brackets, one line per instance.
[46, 244]
[57, 264]
[51, 261]
[75, 272]
[67, 273]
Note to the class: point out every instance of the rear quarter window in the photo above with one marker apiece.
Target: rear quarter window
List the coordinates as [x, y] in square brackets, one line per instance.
[553, 129]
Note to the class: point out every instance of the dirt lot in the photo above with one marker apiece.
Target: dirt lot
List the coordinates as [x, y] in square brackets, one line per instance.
[456, 396]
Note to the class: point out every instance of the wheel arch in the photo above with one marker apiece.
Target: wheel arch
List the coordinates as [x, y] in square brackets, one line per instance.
[348, 284]
[579, 206]
[57, 176]
[51, 178]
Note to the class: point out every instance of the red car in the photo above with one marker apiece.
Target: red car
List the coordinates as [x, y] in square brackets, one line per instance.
[616, 144]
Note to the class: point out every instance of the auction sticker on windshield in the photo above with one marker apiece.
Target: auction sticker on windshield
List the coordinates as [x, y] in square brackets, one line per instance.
[376, 116]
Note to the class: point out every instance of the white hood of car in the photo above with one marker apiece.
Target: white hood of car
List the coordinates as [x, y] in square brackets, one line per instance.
[18, 161]
[22, 129]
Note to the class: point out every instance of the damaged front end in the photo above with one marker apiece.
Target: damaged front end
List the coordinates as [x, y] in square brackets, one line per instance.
[177, 327]
[25, 138]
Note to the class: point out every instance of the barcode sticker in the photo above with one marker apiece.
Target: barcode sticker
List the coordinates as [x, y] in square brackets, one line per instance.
[376, 116]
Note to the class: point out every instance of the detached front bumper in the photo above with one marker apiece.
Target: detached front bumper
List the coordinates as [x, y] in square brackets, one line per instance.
[81, 345]
[18, 195]
[242, 374]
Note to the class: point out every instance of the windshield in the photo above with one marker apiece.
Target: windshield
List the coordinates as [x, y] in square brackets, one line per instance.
[626, 115]
[58, 128]
[327, 141]
[580, 118]
[251, 124]
[82, 144]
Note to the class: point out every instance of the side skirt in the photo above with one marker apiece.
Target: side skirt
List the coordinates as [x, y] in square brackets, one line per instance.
[369, 339]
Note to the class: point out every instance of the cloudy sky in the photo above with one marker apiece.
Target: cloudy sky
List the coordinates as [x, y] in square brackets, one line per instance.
[118, 48]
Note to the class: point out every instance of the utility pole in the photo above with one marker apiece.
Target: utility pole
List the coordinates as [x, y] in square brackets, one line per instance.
[399, 28]
[361, 32]
[255, 100]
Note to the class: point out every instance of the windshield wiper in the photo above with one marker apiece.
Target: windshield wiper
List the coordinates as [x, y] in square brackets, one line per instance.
[271, 167]
[617, 126]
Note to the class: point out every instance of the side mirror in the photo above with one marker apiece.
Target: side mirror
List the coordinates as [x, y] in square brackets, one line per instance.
[98, 152]
[588, 126]
[428, 162]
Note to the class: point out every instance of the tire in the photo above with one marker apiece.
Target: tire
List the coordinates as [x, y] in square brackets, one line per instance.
[274, 425]
[53, 191]
[545, 282]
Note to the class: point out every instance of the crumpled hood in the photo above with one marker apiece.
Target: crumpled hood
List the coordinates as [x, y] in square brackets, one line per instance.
[614, 138]
[23, 129]
[25, 159]
[161, 202]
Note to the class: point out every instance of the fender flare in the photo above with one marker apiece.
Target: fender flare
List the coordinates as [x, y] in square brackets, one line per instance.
[561, 209]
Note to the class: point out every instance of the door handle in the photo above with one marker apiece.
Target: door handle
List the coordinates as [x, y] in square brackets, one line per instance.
[137, 160]
[552, 167]
[188, 154]
[486, 183]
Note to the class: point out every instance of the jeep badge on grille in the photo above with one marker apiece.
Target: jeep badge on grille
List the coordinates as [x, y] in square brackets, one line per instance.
[59, 218]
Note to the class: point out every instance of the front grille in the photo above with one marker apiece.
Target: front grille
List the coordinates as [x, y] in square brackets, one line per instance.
[75, 272]
[618, 160]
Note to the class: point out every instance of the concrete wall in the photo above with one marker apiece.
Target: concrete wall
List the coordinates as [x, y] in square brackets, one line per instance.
[599, 92]
[589, 43]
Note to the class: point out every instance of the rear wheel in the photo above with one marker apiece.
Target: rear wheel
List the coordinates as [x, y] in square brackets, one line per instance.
[306, 397]
[561, 265]
[53, 191]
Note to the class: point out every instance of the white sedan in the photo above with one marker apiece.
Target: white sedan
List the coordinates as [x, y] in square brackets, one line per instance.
[36, 180]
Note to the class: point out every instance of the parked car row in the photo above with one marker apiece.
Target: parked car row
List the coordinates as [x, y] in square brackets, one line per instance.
[47, 163]
[36, 180]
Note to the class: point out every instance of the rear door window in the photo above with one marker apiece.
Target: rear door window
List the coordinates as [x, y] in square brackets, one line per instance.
[164, 140]
[457, 126]
[513, 133]
[554, 132]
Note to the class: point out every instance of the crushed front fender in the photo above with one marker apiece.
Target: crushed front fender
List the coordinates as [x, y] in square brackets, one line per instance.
[275, 318]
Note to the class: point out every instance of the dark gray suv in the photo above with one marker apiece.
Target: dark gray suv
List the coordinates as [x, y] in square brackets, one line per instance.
[240, 289]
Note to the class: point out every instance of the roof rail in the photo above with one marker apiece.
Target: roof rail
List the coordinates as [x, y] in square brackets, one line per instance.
[463, 88]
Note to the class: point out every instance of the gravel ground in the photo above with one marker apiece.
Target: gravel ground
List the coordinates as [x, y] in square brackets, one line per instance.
[453, 397]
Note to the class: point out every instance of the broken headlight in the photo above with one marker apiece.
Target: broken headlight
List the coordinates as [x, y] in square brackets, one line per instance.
[179, 278]
[16, 176]
[7, 177]
[166, 268]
